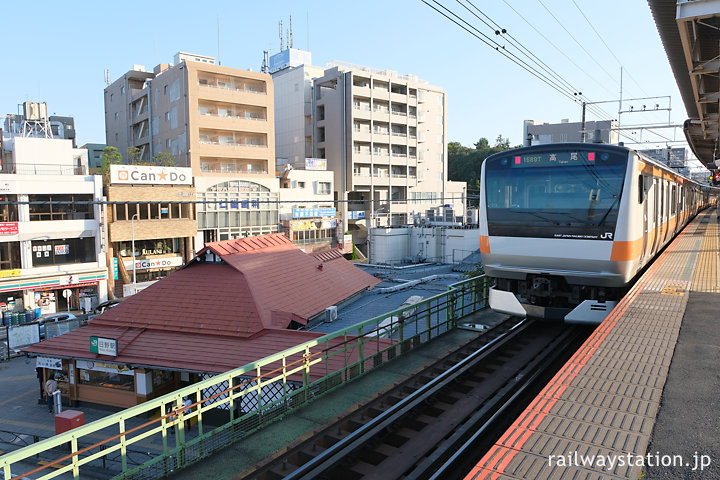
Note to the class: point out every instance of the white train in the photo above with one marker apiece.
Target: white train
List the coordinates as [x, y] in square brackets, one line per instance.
[565, 228]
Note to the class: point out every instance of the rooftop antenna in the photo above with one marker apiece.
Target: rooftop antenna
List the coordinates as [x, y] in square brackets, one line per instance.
[107, 77]
[265, 64]
[290, 36]
[282, 45]
[218, 31]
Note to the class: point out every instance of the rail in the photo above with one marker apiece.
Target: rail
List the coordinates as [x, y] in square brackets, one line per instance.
[250, 396]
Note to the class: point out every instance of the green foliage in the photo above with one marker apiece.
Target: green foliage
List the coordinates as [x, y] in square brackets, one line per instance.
[133, 155]
[475, 272]
[110, 156]
[164, 159]
[465, 163]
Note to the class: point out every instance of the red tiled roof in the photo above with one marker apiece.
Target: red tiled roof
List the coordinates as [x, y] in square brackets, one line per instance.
[286, 281]
[207, 298]
[217, 316]
[179, 351]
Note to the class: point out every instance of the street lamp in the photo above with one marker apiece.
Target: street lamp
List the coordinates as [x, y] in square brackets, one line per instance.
[132, 226]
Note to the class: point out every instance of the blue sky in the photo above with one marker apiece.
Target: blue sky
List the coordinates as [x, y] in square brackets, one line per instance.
[57, 52]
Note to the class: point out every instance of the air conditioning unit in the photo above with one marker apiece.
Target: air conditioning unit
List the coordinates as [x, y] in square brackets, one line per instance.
[331, 314]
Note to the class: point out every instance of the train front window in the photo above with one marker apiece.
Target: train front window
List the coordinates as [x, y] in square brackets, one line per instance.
[554, 193]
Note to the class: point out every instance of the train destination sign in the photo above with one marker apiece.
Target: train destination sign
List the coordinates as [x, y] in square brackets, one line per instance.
[554, 159]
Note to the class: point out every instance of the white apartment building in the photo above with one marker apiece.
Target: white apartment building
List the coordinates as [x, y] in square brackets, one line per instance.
[384, 136]
[52, 248]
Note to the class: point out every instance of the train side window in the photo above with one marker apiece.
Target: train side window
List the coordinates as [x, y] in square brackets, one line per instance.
[641, 189]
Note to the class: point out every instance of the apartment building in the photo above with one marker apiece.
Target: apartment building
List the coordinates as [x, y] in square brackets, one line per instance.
[384, 136]
[51, 247]
[216, 120]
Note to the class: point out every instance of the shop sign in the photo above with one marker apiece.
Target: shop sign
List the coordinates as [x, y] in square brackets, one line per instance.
[7, 187]
[10, 273]
[116, 275]
[314, 212]
[356, 214]
[62, 249]
[146, 263]
[329, 223]
[103, 346]
[8, 228]
[149, 175]
[46, 362]
[303, 225]
[104, 367]
[239, 204]
[315, 164]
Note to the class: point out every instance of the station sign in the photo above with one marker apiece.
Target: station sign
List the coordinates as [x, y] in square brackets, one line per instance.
[150, 175]
[314, 212]
[103, 346]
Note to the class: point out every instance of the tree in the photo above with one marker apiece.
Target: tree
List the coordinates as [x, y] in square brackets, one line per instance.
[164, 159]
[465, 163]
[133, 155]
[110, 156]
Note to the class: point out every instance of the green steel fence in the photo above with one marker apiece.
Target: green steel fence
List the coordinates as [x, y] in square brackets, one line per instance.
[151, 440]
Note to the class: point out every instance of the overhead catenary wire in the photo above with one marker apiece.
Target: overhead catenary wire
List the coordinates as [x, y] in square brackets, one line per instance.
[598, 111]
[472, 30]
[561, 51]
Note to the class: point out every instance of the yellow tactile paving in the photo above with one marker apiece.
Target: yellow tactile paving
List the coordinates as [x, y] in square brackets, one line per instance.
[705, 278]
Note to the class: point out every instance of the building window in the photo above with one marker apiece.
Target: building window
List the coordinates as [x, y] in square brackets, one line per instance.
[323, 188]
[167, 116]
[300, 184]
[122, 90]
[10, 256]
[8, 213]
[165, 89]
[111, 97]
[60, 207]
[116, 115]
[63, 251]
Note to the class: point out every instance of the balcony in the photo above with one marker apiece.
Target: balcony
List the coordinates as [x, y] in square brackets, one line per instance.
[43, 169]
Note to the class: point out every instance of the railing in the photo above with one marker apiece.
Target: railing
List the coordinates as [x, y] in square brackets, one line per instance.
[237, 89]
[241, 117]
[44, 169]
[267, 390]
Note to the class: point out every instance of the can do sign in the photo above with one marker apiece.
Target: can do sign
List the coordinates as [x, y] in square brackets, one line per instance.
[148, 175]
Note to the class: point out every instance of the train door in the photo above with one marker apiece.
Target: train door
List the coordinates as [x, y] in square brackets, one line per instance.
[655, 215]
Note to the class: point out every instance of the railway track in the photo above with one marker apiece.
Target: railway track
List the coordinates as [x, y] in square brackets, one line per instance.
[435, 423]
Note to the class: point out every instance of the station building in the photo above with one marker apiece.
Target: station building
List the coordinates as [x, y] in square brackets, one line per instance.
[237, 301]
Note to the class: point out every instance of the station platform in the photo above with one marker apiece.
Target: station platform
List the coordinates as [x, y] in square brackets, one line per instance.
[639, 399]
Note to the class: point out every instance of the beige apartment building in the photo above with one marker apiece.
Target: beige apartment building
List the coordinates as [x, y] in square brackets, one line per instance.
[384, 136]
[216, 120]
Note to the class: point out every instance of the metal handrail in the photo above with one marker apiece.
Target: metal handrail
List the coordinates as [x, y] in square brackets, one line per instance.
[277, 385]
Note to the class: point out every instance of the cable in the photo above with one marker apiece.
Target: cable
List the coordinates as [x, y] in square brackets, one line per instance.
[501, 49]
[576, 41]
[524, 50]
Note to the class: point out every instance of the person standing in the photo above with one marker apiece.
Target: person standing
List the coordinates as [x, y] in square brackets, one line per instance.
[51, 387]
[40, 376]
